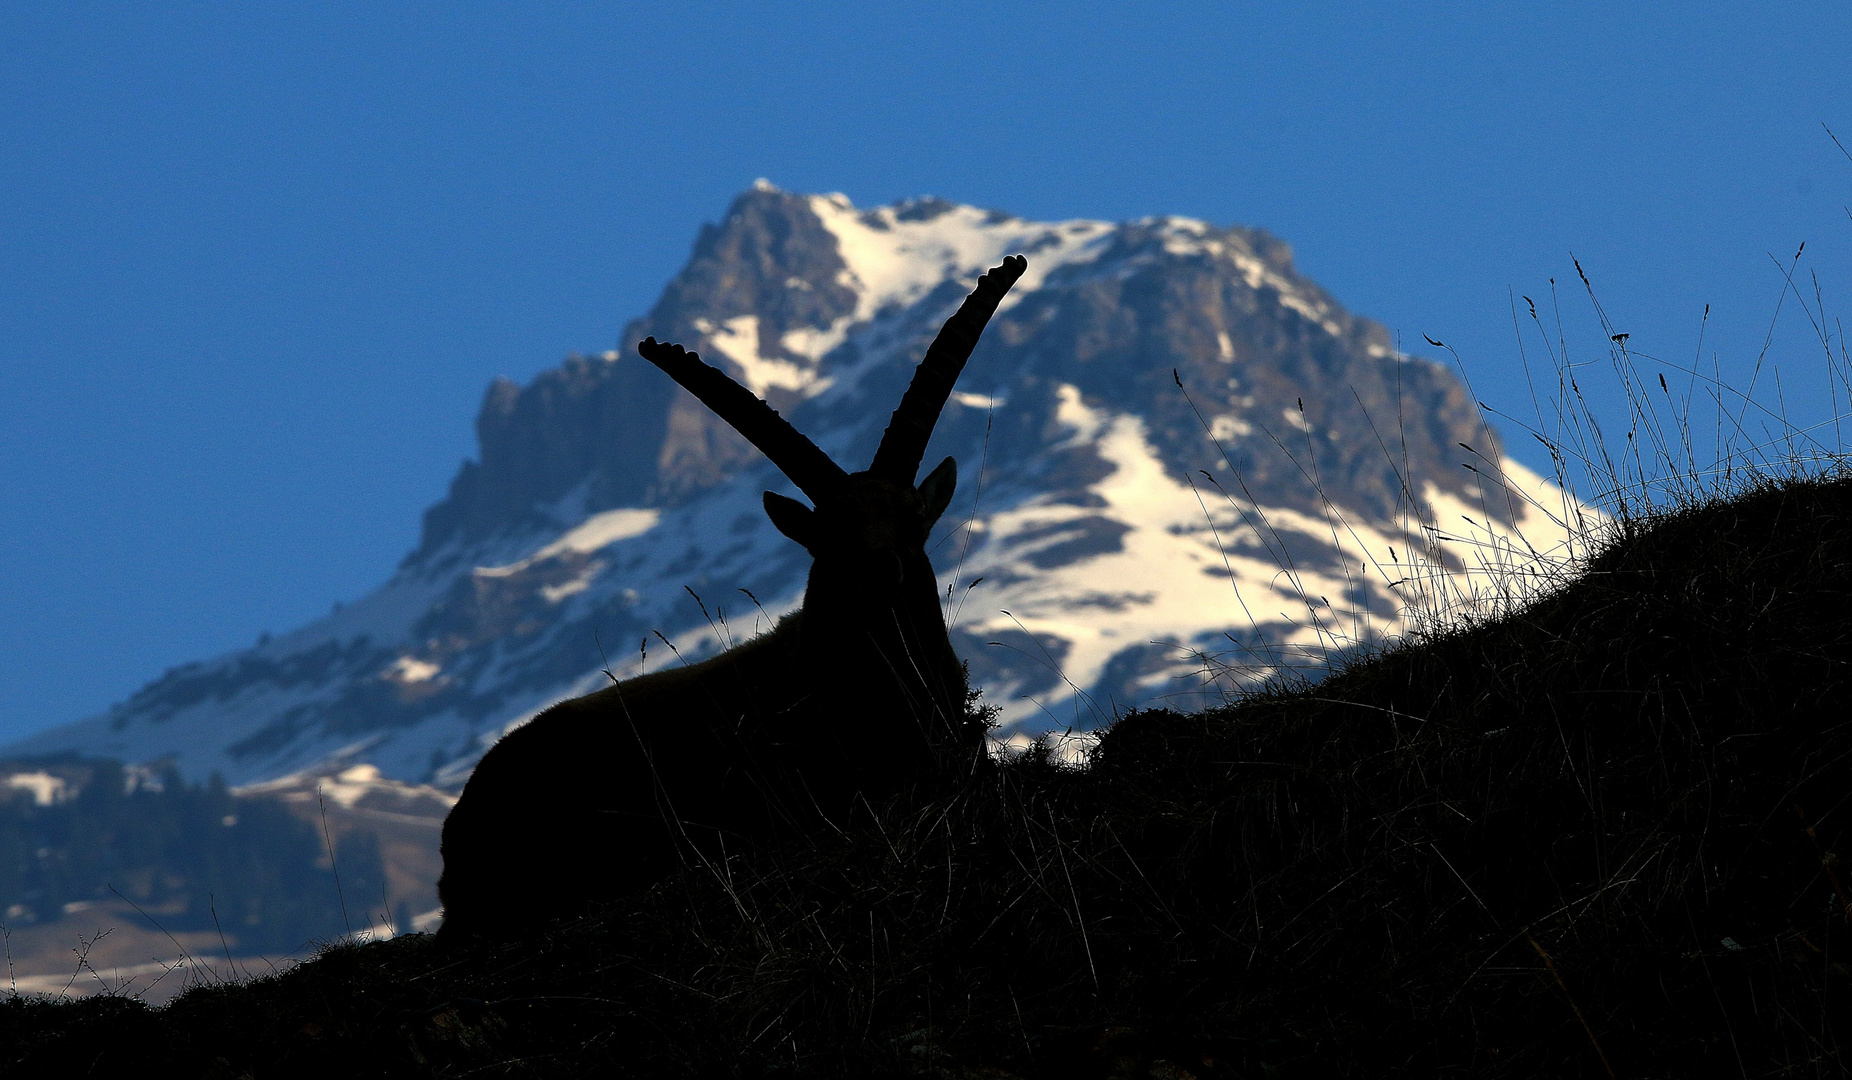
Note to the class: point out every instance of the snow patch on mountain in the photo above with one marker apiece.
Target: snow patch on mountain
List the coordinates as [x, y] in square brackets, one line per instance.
[1150, 561]
[738, 340]
[595, 532]
[896, 255]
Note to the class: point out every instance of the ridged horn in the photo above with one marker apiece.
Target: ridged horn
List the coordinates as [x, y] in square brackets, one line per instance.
[904, 442]
[796, 456]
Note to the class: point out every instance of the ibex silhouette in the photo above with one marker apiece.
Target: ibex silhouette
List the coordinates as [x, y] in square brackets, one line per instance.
[849, 700]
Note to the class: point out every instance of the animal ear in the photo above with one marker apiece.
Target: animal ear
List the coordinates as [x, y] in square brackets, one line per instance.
[936, 490]
[793, 518]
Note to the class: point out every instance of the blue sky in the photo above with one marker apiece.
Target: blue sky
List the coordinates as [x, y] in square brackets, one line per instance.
[258, 262]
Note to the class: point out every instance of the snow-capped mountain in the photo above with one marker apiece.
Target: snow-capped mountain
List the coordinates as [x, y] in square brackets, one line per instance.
[1182, 465]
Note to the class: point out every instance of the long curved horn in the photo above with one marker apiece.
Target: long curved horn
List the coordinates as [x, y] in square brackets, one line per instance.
[796, 456]
[904, 442]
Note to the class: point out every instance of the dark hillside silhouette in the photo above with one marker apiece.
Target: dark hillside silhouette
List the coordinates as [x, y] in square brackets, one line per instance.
[1599, 835]
[616, 789]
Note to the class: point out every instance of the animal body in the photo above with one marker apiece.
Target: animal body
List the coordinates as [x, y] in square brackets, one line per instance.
[847, 702]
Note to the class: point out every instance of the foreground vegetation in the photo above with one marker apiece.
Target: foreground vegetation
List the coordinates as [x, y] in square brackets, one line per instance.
[1592, 837]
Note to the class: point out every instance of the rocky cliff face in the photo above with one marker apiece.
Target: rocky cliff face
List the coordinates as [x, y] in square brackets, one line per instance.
[1182, 463]
[613, 428]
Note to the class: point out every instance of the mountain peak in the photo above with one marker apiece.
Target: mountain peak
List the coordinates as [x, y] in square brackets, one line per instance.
[1174, 478]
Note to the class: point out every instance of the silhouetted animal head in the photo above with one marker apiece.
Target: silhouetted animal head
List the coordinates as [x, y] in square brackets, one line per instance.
[867, 532]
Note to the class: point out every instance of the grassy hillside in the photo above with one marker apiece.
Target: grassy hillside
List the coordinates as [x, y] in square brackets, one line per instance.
[1593, 837]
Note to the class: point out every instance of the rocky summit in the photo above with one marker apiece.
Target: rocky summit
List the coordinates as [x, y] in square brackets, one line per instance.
[1183, 467]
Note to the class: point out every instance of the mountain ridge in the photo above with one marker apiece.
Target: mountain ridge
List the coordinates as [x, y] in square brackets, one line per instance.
[607, 507]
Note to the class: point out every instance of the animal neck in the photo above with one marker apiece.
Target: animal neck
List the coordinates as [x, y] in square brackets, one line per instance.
[886, 645]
